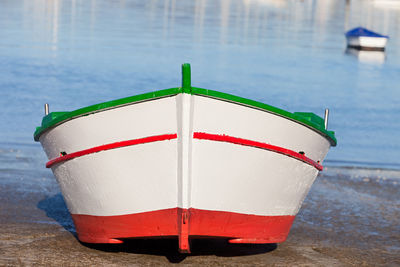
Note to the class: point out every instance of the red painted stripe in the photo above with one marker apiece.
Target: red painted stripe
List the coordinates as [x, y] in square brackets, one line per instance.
[246, 142]
[240, 228]
[111, 146]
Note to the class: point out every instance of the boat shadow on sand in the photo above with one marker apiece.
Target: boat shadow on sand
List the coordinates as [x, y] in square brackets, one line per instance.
[55, 208]
[199, 247]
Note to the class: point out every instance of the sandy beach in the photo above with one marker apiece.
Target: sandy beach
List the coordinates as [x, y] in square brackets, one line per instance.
[349, 219]
[290, 55]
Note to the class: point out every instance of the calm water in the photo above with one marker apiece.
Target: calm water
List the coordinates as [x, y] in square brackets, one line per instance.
[290, 54]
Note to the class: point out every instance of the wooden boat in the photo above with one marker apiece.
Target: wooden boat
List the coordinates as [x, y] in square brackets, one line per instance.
[184, 162]
[364, 39]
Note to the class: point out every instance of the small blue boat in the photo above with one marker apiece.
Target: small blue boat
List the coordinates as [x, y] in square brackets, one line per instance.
[364, 39]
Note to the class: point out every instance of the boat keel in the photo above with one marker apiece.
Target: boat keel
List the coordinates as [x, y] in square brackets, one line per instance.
[183, 232]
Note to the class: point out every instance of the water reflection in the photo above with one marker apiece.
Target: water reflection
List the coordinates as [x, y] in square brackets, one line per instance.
[237, 21]
[387, 4]
[370, 57]
[55, 25]
[74, 53]
[271, 3]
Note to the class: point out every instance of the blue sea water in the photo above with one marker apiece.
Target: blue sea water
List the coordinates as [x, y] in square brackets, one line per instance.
[287, 53]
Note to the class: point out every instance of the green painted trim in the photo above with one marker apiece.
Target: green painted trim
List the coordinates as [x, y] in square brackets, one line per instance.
[309, 119]
[55, 118]
[186, 79]
[306, 118]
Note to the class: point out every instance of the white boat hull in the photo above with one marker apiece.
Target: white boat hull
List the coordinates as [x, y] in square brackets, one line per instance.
[206, 161]
[367, 42]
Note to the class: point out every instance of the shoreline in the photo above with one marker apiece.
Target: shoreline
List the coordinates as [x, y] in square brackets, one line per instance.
[345, 220]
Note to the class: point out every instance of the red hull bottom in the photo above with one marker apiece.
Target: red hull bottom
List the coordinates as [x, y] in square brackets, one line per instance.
[183, 223]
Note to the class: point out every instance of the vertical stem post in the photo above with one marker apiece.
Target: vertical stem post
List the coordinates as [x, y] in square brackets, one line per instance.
[184, 156]
[186, 79]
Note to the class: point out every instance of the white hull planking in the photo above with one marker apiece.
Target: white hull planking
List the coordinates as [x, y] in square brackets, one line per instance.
[257, 182]
[184, 172]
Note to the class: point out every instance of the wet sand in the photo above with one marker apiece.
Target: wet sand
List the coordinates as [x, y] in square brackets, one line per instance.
[346, 220]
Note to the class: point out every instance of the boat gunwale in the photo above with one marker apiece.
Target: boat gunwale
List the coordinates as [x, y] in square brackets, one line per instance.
[330, 135]
[100, 107]
[266, 108]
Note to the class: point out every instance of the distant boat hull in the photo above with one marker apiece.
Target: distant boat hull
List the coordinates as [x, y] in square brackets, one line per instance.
[364, 39]
[367, 43]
